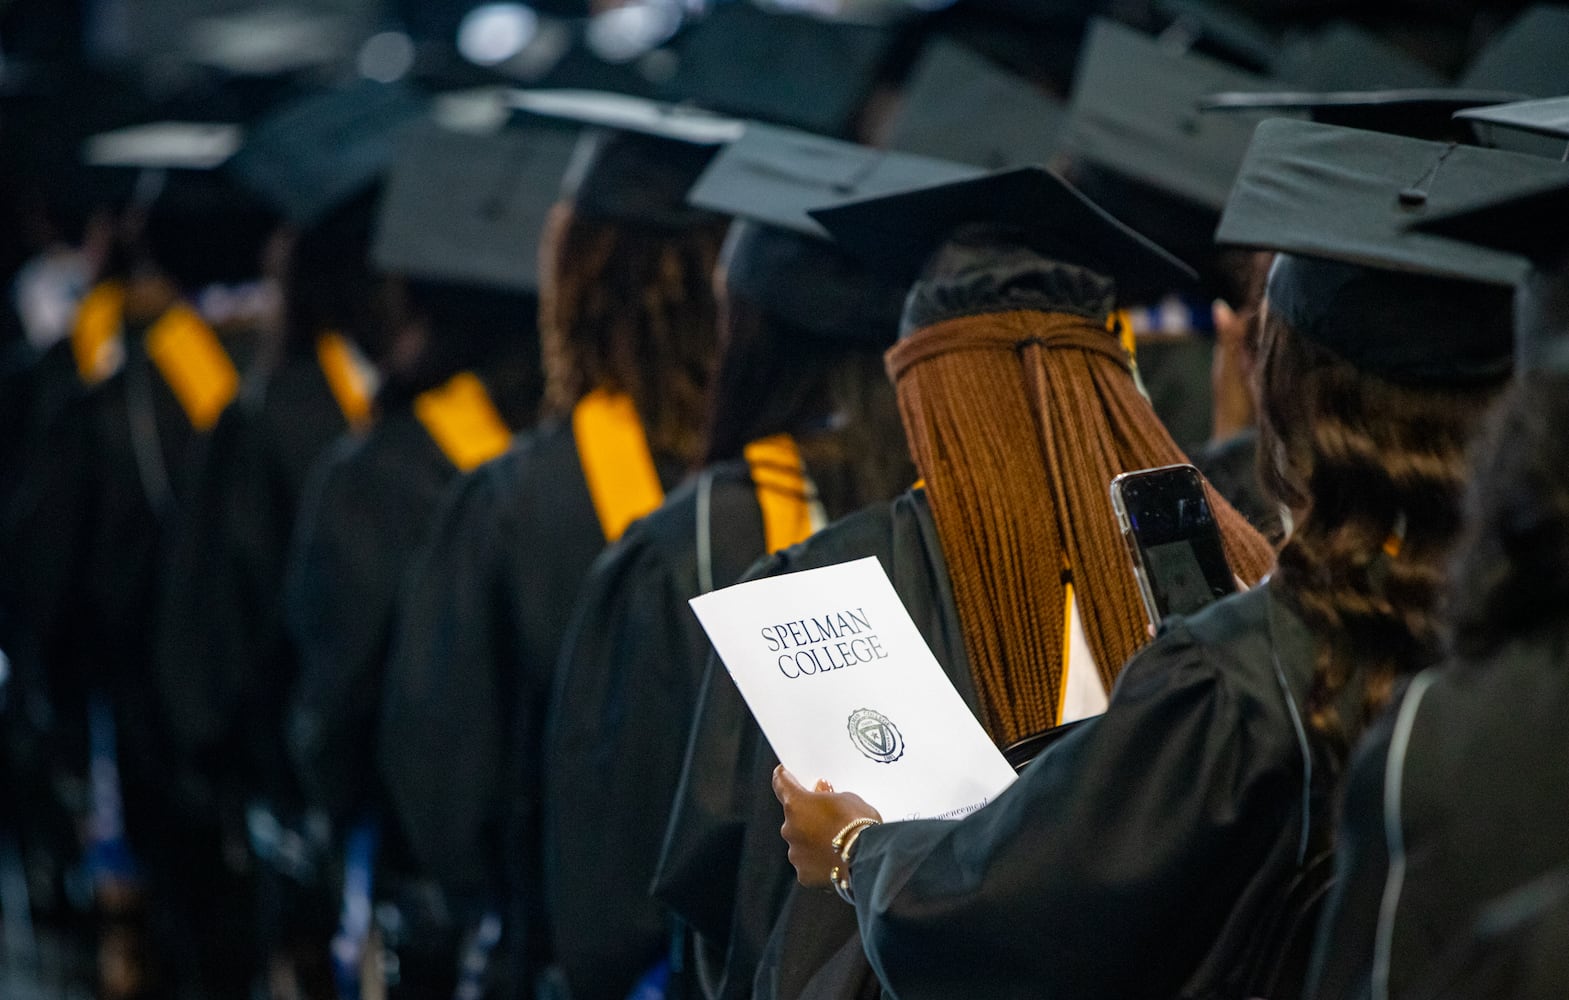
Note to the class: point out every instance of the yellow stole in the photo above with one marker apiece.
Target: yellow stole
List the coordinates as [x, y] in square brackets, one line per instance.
[96, 334]
[617, 463]
[463, 421]
[779, 479]
[194, 364]
[345, 380]
[185, 349]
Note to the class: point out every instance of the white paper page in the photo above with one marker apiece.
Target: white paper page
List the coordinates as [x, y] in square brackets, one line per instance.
[845, 689]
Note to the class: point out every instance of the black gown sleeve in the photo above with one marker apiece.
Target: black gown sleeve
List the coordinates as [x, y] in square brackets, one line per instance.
[695, 876]
[443, 728]
[203, 656]
[340, 582]
[46, 540]
[1113, 863]
[623, 685]
[224, 661]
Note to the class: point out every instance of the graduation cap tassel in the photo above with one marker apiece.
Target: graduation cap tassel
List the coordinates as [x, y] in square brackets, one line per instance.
[1415, 195]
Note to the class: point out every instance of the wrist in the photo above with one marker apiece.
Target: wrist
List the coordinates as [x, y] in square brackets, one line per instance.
[843, 844]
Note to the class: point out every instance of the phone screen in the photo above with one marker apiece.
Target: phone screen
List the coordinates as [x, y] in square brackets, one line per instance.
[1177, 539]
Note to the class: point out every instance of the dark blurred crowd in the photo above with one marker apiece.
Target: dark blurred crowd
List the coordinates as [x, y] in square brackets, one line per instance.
[379, 381]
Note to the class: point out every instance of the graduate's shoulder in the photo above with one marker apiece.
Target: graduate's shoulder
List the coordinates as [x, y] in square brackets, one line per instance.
[671, 530]
[292, 392]
[534, 462]
[1485, 718]
[1517, 677]
[377, 472]
[869, 531]
[1246, 650]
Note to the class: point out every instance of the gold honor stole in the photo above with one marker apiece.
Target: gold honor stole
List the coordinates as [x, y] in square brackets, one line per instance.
[185, 349]
[193, 362]
[463, 421]
[345, 380]
[618, 466]
[779, 477]
[95, 336]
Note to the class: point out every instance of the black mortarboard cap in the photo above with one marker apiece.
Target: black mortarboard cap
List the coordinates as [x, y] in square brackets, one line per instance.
[1018, 123]
[315, 154]
[790, 69]
[774, 176]
[1351, 195]
[1418, 114]
[1533, 222]
[467, 208]
[778, 175]
[197, 224]
[1219, 31]
[1548, 116]
[1337, 204]
[900, 232]
[639, 167]
[1528, 56]
[677, 123]
[1135, 112]
[1345, 56]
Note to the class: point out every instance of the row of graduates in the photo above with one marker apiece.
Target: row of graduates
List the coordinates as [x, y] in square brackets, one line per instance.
[1379, 357]
[1189, 815]
[451, 660]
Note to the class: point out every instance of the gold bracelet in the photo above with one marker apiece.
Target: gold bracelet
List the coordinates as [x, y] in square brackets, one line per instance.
[840, 875]
[849, 828]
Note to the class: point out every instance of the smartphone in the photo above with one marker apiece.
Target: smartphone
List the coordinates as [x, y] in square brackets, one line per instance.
[1173, 540]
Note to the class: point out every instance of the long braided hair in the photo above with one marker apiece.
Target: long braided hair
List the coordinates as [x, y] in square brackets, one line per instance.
[630, 308]
[1374, 474]
[1019, 421]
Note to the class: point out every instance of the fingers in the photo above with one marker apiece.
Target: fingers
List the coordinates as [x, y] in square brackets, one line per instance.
[823, 786]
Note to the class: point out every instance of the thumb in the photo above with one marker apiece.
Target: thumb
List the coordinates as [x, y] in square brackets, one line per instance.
[785, 785]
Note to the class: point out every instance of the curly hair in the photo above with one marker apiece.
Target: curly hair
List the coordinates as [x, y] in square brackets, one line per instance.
[1373, 473]
[630, 309]
[1509, 576]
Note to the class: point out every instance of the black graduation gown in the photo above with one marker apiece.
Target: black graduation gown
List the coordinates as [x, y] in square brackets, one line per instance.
[38, 462]
[1134, 857]
[224, 662]
[1484, 801]
[487, 604]
[625, 687]
[89, 529]
[89, 546]
[34, 389]
[366, 506]
[723, 869]
[1516, 949]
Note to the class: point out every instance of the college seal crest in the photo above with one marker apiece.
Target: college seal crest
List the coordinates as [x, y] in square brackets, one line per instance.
[875, 736]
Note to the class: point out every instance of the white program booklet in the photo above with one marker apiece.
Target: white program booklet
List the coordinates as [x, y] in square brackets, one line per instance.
[846, 690]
